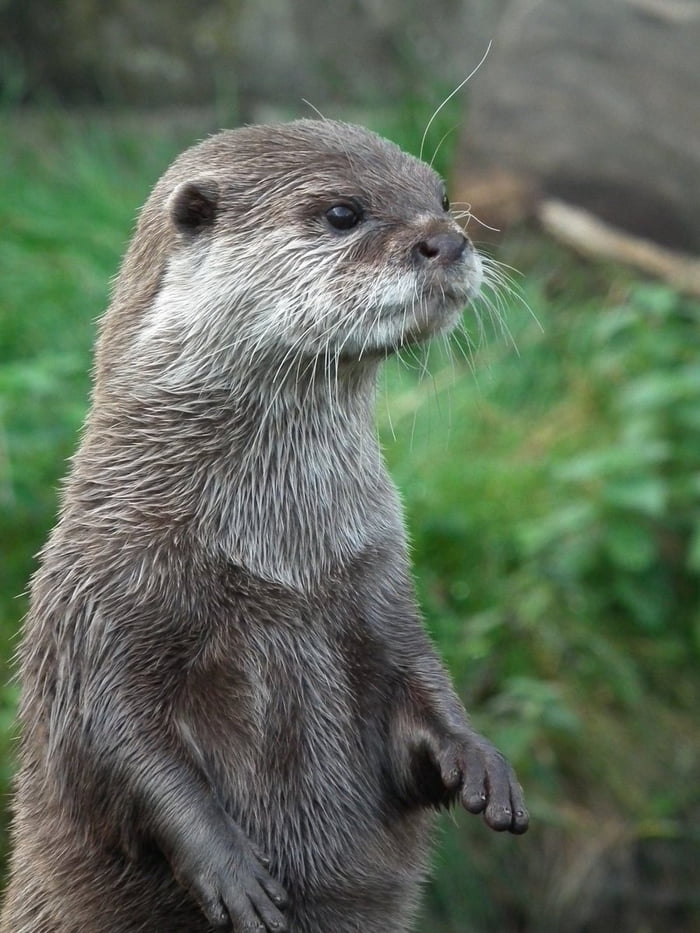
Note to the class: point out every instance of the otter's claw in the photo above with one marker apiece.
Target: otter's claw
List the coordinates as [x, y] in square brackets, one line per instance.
[487, 783]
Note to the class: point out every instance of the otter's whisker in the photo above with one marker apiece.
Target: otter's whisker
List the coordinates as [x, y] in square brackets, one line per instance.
[449, 98]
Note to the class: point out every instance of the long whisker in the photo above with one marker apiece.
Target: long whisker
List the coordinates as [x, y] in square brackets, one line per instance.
[439, 145]
[449, 98]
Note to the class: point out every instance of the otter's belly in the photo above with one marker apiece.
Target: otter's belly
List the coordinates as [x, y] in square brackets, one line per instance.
[296, 746]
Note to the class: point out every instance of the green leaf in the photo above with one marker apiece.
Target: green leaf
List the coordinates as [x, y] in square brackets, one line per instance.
[629, 544]
[647, 495]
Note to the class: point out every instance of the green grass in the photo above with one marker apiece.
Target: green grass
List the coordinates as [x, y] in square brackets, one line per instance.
[552, 490]
[555, 518]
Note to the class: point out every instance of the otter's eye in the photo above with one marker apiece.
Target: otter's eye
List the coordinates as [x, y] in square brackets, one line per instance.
[445, 201]
[343, 216]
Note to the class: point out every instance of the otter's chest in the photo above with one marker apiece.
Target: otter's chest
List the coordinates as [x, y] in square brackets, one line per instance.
[325, 690]
[290, 699]
[294, 709]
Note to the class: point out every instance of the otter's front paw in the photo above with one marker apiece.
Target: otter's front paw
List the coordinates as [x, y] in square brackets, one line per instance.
[230, 881]
[485, 782]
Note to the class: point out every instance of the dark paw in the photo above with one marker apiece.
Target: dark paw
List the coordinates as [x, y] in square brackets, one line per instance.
[485, 781]
[231, 883]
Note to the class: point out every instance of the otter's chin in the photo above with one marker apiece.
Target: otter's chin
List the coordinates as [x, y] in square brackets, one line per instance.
[402, 326]
[428, 320]
[432, 307]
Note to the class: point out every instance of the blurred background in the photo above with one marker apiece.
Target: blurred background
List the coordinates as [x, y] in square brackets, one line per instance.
[550, 462]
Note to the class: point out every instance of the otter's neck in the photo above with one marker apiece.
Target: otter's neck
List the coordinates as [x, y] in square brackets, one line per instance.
[285, 480]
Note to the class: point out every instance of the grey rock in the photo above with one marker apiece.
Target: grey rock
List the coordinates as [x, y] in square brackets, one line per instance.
[597, 102]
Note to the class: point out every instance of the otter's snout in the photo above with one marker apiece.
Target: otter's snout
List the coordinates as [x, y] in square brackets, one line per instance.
[443, 248]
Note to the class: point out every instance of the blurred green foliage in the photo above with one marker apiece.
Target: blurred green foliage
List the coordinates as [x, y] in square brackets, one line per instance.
[556, 544]
[551, 475]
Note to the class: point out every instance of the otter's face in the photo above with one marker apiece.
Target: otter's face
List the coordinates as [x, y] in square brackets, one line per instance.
[387, 264]
[312, 238]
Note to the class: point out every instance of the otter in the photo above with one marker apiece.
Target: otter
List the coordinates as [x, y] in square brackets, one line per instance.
[232, 717]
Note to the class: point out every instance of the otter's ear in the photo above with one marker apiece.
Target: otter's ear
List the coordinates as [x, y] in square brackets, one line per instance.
[193, 205]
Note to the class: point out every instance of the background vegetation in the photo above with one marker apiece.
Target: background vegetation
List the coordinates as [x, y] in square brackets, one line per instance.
[551, 475]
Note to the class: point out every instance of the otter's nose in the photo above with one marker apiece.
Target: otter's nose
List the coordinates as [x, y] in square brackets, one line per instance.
[443, 248]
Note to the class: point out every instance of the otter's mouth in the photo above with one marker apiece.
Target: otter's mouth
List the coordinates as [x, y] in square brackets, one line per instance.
[427, 316]
[429, 305]
[413, 309]
[435, 301]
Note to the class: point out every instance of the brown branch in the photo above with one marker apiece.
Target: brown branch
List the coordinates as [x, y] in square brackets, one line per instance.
[593, 238]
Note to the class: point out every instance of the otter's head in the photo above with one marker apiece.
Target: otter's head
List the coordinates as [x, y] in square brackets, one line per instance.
[273, 243]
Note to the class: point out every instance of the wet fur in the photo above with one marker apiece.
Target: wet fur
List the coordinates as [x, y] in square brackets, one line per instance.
[223, 646]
